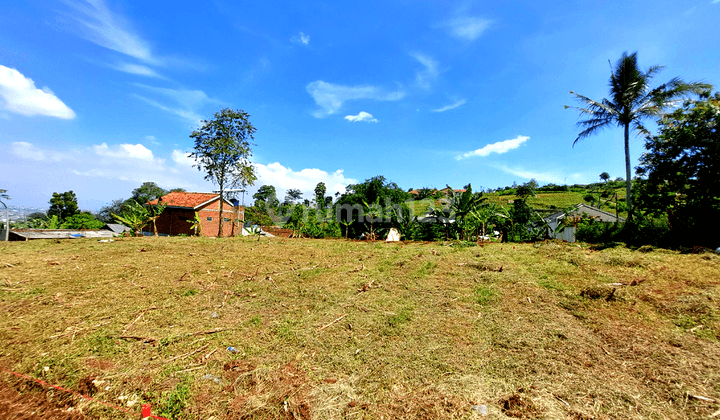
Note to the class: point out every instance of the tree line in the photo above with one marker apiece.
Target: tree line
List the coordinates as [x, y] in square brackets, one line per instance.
[673, 200]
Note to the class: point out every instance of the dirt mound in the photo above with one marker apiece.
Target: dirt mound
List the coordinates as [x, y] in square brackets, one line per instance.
[27, 402]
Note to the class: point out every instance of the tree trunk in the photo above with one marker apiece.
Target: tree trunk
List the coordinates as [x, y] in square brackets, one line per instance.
[628, 174]
[220, 228]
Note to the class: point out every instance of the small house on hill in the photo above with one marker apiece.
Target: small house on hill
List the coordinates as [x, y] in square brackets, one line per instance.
[178, 217]
[568, 233]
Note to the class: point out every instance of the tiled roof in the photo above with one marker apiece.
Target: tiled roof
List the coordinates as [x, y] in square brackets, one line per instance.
[186, 199]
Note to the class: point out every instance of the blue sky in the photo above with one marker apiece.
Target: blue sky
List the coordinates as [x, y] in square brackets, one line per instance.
[99, 96]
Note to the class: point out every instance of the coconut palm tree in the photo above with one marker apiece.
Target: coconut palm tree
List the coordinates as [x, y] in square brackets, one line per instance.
[631, 101]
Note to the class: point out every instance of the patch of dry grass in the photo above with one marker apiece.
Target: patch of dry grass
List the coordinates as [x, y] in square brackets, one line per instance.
[334, 329]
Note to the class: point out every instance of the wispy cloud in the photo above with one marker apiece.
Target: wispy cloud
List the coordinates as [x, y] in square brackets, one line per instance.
[499, 148]
[330, 97]
[185, 103]
[362, 116]
[305, 180]
[460, 102]
[427, 76]
[137, 69]
[466, 28]
[301, 38]
[555, 177]
[18, 94]
[99, 25]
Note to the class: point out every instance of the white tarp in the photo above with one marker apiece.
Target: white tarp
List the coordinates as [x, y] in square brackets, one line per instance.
[393, 236]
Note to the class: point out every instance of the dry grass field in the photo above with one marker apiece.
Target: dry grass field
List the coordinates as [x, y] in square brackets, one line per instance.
[333, 329]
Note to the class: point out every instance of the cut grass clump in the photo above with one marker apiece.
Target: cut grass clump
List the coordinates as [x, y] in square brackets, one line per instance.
[484, 295]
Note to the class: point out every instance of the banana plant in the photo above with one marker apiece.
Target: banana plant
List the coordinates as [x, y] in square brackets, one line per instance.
[195, 224]
[372, 212]
[135, 216]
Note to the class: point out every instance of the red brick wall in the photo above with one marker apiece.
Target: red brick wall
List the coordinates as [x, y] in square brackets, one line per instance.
[173, 221]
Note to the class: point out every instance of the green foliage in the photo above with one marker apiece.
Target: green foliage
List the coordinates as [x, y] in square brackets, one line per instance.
[196, 224]
[292, 196]
[682, 165]
[135, 216]
[404, 316]
[484, 295]
[376, 192]
[146, 192]
[176, 401]
[268, 195]
[258, 214]
[320, 190]
[83, 220]
[106, 212]
[593, 231]
[63, 205]
[222, 151]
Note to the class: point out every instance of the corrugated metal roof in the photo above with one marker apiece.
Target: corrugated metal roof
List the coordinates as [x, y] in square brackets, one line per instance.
[26, 234]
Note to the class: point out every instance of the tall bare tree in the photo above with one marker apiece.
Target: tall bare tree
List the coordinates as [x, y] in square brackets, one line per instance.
[222, 151]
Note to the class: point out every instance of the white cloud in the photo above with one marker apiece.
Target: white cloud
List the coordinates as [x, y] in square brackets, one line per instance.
[100, 26]
[137, 69]
[27, 150]
[330, 97]
[18, 94]
[124, 151]
[499, 147]
[466, 28]
[362, 116]
[426, 77]
[301, 38]
[182, 158]
[461, 102]
[554, 177]
[283, 178]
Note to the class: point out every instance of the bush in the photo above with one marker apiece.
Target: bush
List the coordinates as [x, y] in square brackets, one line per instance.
[593, 231]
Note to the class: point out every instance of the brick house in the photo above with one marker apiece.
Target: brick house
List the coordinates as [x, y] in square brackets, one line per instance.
[181, 207]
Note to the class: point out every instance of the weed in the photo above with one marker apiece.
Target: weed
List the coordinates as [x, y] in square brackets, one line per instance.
[426, 268]
[405, 315]
[286, 329]
[176, 401]
[190, 292]
[551, 284]
[484, 295]
[256, 320]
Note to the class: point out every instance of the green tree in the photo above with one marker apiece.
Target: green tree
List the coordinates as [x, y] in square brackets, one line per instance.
[682, 165]
[292, 196]
[267, 194]
[63, 205]
[84, 220]
[146, 192]
[374, 190]
[106, 212]
[222, 151]
[604, 177]
[320, 190]
[631, 101]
